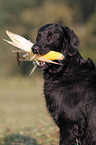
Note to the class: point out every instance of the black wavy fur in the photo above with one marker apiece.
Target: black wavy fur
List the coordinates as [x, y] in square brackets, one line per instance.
[70, 88]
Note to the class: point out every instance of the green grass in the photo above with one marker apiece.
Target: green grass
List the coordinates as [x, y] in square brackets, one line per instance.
[24, 119]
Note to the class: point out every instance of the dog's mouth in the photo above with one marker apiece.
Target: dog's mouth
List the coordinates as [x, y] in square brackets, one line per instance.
[42, 65]
[46, 59]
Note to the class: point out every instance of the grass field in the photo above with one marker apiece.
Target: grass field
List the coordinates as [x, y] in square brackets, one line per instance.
[24, 119]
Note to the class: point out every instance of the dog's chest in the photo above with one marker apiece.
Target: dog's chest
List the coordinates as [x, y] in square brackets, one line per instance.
[53, 97]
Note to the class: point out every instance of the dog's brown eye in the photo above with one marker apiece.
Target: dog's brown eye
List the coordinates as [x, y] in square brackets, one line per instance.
[50, 36]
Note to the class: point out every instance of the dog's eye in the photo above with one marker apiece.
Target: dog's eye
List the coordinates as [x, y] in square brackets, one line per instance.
[50, 36]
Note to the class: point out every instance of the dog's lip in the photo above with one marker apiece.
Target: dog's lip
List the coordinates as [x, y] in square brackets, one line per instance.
[41, 63]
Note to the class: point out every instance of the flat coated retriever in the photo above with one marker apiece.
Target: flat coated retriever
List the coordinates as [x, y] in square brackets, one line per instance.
[69, 88]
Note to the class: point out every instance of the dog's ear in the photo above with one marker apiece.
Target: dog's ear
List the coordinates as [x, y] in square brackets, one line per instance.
[72, 41]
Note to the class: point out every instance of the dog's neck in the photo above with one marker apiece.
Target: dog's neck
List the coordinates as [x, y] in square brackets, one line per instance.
[69, 62]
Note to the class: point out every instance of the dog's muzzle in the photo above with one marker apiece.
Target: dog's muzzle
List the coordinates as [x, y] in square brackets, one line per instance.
[41, 64]
[35, 49]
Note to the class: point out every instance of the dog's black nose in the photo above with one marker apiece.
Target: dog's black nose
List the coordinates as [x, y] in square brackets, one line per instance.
[35, 49]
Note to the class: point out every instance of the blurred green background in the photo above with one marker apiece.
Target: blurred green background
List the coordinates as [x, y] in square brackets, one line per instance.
[25, 17]
[23, 116]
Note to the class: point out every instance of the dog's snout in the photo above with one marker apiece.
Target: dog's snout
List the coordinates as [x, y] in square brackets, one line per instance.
[35, 49]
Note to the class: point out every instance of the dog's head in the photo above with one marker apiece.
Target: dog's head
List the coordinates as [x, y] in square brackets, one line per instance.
[57, 38]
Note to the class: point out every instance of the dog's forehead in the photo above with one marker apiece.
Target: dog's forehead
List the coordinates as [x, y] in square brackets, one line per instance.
[49, 27]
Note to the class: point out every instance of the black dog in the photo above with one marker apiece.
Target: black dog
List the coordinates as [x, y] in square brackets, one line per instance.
[69, 88]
